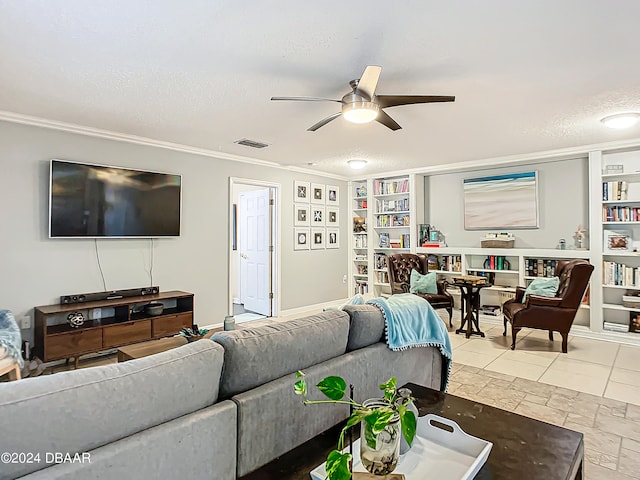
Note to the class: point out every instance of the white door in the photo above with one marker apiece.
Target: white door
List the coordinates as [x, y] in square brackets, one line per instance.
[255, 255]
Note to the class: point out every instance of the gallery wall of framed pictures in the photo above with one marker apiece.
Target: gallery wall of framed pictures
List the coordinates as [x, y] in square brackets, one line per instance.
[316, 216]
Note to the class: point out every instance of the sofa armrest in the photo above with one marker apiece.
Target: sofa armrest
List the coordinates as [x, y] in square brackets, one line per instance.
[519, 294]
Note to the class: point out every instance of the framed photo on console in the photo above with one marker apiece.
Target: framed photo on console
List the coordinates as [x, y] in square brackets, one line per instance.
[618, 240]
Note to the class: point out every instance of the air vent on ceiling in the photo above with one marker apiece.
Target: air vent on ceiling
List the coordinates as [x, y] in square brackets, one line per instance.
[251, 143]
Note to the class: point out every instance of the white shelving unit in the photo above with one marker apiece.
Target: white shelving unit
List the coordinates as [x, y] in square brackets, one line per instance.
[360, 267]
[505, 280]
[615, 208]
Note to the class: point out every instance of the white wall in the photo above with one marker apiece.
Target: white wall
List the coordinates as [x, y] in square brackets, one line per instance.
[563, 202]
[36, 270]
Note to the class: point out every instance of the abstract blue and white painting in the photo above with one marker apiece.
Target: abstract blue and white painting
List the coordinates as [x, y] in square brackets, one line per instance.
[501, 201]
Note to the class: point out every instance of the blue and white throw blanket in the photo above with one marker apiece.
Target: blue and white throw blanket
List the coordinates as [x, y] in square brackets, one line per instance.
[10, 337]
[410, 321]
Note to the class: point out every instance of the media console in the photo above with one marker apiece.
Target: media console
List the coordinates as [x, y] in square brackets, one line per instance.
[123, 321]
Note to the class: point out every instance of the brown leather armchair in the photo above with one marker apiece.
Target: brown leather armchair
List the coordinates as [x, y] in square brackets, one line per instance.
[555, 314]
[400, 265]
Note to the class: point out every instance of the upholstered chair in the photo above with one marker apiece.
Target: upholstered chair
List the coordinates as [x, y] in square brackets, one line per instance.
[555, 314]
[400, 265]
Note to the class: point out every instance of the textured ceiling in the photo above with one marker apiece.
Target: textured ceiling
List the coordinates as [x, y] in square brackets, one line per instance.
[528, 76]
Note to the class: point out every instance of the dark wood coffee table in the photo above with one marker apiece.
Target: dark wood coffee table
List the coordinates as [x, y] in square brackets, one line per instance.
[523, 448]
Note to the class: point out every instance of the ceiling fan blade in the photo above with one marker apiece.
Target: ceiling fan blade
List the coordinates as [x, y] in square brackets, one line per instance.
[323, 122]
[395, 100]
[368, 81]
[307, 99]
[387, 121]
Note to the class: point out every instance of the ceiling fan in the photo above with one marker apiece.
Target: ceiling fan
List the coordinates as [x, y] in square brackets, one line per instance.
[362, 105]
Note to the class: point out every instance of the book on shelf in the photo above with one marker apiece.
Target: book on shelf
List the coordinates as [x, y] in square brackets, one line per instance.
[493, 310]
[401, 205]
[388, 187]
[615, 327]
[361, 287]
[620, 274]
[614, 191]
[634, 322]
[380, 261]
[384, 241]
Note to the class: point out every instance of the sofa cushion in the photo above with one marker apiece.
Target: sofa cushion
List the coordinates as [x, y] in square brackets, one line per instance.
[366, 326]
[545, 287]
[255, 356]
[198, 445]
[81, 410]
[423, 283]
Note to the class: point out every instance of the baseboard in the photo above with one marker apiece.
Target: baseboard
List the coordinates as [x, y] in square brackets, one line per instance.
[317, 306]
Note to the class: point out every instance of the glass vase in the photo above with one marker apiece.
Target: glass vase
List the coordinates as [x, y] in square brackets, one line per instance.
[379, 453]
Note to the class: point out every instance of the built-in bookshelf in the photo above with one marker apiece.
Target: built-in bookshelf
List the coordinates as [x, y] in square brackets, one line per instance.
[619, 231]
[391, 222]
[360, 236]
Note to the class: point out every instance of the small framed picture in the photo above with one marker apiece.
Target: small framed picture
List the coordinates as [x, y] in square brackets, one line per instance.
[302, 239]
[317, 238]
[332, 217]
[332, 194]
[333, 238]
[301, 215]
[302, 191]
[617, 240]
[317, 216]
[317, 193]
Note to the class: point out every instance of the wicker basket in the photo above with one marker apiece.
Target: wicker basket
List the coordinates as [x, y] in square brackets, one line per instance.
[631, 301]
[497, 243]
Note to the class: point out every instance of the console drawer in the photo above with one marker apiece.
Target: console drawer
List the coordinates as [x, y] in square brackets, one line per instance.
[170, 324]
[124, 333]
[73, 343]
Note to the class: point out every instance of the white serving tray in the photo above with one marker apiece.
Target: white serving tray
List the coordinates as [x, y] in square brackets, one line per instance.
[435, 453]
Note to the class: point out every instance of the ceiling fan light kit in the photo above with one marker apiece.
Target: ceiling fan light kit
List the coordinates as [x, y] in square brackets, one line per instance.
[362, 105]
[357, 164]
[360, 111]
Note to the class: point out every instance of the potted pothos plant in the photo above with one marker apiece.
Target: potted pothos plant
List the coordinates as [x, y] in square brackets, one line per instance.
[381, 421]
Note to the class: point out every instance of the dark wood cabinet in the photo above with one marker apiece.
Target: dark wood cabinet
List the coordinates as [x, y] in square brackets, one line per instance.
[123, 321]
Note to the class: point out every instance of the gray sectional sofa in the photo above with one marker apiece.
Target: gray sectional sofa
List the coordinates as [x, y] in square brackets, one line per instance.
[214, 409]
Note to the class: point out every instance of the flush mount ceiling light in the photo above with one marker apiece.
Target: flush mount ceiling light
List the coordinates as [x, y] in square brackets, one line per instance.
[621, 120]
[357, 164]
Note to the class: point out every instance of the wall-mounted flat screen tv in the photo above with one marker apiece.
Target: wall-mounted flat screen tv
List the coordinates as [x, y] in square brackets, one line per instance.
[96, 201]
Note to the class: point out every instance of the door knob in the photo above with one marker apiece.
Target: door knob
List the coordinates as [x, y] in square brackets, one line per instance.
[244, 255]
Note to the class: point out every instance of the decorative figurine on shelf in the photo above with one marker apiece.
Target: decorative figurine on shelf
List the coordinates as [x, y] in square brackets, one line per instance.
[579, 236]
[75, 319]
[562, 244]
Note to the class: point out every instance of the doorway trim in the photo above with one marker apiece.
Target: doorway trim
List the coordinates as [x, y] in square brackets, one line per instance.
[276, 274]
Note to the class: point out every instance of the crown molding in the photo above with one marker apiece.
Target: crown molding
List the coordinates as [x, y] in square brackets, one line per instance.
[150, 142]
[526, 158]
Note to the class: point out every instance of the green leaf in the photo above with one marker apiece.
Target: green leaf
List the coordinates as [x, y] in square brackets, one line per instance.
[379, 418]
[389, 388]
[300, 387]
[338, 466]
[333, 387]
[299, 374]
[408, 423]
[356, 417]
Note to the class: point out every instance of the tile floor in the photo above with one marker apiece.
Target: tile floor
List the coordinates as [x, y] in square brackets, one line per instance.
[593, 389]
[605, 369]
